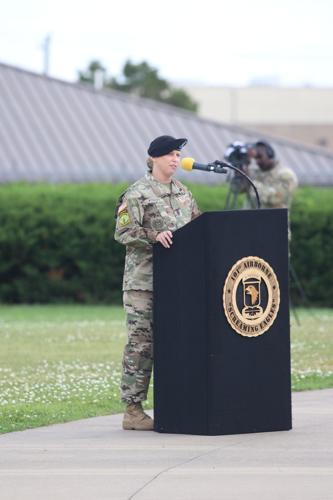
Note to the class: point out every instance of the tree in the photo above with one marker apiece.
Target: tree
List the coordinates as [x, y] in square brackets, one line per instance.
[142, 80]
[179, 97]
[88, 75]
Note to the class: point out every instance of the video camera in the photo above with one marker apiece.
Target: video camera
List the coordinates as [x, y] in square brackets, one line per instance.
[239, 154]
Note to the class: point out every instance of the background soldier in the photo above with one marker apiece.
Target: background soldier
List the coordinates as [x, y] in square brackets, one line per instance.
[275, 183]
[149, 211]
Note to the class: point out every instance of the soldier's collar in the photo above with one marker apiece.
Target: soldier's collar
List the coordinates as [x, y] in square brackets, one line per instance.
[156, 181]
[173, 184]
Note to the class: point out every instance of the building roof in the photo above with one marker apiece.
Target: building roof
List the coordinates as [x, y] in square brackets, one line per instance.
[56, 131]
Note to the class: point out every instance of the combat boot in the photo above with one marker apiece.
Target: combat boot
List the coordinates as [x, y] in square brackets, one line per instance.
[135, 419]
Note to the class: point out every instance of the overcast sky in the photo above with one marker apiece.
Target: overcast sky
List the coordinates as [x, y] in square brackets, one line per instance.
[287, 42]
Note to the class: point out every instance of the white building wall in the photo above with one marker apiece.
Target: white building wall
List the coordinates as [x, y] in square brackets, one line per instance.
[304, 114]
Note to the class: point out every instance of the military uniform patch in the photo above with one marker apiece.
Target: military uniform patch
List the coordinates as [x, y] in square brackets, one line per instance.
[124, 218]
[122, 207]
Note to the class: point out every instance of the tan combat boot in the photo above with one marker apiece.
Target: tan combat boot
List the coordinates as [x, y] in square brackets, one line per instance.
[135, 419]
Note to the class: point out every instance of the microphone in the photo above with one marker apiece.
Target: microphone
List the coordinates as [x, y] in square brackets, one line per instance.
[191, 164]
[219, 168]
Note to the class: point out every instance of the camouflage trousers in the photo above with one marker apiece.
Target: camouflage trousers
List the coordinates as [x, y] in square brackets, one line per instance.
[138, 352]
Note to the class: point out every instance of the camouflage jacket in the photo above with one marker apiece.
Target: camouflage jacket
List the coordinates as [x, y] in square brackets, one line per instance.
[275, 187]
[147, 208]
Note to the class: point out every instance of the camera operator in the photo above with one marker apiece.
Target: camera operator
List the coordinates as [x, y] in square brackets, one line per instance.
[275, 183]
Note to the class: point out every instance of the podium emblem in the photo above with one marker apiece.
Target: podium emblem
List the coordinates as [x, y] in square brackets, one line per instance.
[251, 296]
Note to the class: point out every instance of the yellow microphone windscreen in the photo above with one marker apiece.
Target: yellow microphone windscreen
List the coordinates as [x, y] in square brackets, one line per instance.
[187, 163]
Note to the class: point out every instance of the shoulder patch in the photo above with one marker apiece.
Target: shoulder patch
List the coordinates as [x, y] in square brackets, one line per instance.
[122, 207]
[124, 217]
[119, 204]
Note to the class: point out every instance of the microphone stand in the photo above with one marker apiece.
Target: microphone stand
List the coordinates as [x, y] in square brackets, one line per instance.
[219, 167]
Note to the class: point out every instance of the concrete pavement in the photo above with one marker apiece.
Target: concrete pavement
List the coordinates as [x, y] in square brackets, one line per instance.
[94, 459]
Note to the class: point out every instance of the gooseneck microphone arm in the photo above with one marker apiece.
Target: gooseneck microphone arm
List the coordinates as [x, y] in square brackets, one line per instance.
[220, 169]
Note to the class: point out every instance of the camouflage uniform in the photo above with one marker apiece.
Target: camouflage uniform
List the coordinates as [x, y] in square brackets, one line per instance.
[275, 187]
[147, 208]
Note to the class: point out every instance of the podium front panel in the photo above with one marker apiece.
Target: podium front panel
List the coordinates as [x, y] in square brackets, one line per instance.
[249, 376]
[209, 379]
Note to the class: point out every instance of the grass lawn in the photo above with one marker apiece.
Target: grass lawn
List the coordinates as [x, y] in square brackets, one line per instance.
[61, 363]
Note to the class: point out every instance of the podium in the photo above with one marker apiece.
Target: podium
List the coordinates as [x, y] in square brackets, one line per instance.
[221, 325]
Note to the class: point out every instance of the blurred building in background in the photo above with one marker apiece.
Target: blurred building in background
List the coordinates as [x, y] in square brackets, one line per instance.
[55, 131]
[303, 114]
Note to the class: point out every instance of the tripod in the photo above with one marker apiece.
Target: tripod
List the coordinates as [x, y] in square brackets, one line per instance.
[231, 202]
[237, 186]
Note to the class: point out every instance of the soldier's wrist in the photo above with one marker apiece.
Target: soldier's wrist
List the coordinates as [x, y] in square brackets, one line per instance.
[152, 235]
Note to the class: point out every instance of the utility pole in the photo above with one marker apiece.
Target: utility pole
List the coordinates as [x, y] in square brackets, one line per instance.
[46, 54]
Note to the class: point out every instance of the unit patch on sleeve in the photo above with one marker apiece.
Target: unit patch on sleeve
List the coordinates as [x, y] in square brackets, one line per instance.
[123, 216]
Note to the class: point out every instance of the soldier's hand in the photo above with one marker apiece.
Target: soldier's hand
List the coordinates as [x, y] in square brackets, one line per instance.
[165, 238]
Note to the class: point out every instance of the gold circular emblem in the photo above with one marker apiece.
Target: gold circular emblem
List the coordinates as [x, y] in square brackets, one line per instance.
[251, 296]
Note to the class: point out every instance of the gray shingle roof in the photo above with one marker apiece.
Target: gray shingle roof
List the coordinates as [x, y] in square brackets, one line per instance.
[62, 132]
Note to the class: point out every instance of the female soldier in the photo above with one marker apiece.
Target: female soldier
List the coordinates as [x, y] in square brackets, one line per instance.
[148, 212]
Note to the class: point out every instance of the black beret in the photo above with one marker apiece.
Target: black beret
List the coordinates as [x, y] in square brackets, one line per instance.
[164, 144]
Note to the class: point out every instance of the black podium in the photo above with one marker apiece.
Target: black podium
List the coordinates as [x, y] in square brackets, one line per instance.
[209, 379]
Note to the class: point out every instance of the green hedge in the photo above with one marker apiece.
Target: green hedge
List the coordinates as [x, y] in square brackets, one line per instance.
[312, 245]
[56, 242]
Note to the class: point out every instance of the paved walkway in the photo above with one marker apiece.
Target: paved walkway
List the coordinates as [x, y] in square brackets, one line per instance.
[94, 459]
